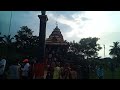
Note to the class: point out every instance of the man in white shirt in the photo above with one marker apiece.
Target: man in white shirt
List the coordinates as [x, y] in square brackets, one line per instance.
[25, 70]
[2, 67]
[14, 70]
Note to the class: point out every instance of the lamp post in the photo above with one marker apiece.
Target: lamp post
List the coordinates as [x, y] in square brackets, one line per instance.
[104, 51]
[10, 23]
[39, 67]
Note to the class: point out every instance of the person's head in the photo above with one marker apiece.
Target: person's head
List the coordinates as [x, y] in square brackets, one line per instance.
[33, 61]
[48, 73]
[58, 64]
[72, 67]
[53, 64]
[67, 65]
[55, 59]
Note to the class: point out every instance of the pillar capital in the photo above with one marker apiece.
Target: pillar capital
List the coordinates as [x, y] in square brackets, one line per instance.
[43, 12]
[43, 17]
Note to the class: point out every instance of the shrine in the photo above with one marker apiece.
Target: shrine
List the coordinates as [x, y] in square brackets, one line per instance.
[56, 46]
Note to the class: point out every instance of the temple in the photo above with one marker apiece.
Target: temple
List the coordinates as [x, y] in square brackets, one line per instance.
[56, 38]
[56, 46]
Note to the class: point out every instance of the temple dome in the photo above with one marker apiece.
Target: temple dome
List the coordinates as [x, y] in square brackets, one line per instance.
[55, 37]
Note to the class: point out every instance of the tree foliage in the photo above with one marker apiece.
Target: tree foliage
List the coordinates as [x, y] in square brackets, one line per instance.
[115, 50]
[88, 47]
[1, 39]
[26, 43]
[8, 39]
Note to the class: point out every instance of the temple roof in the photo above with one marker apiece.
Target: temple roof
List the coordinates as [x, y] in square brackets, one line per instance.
[56, 37]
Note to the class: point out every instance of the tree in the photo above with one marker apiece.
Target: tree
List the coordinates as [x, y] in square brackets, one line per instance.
[1, 38]
[23, 37]
[26, 43]
[8, 39]
[89, 47]
[115, 50]
[85, 50]
[2, 46]
[115, 53]
[74, 48]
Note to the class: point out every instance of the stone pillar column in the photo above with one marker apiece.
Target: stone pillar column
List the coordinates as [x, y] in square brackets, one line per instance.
[39, 67]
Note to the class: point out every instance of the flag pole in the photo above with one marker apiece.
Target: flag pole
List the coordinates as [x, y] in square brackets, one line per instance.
[10, 23]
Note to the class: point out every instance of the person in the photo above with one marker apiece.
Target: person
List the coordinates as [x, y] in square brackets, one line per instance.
[66, 72]
[25, 69]
[56, 74]
[73, 73]
[39, 70]
[14, 71]
[2, 67]
[49, 58]
[85, 70]
[50, 71]
[54, 59]
[31, 72]
[48, 76]
[112, 68]
[100, 72]
[61, 72]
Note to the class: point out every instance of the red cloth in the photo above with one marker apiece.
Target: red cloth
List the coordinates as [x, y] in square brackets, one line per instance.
[25, 60]
[39, 70]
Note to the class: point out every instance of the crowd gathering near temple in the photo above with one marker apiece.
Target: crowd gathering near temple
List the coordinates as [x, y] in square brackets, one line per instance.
[53, 65]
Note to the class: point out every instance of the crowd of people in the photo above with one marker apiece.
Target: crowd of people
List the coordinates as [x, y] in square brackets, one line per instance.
[59, 71]
[16, 69]
[25, 69]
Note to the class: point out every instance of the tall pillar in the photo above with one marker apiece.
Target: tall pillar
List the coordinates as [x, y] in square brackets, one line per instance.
[42, 35]
[39, 67]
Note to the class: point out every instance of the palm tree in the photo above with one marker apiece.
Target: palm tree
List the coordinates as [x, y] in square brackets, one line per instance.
[8, 39]
[27, 31]
[1, 38]
[115, 50]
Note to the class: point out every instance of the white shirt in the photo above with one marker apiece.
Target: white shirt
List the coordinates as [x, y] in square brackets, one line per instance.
[25, 69]
[2, 62]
